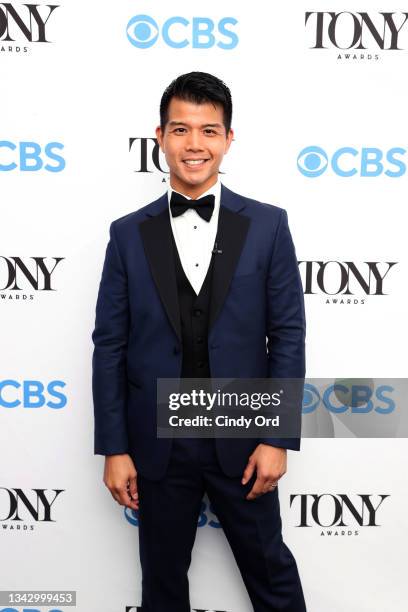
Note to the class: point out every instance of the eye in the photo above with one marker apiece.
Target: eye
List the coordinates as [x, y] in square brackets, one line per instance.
[142, 31]
[311, 398]
[179, 128]
[312, 161]
[210, 131]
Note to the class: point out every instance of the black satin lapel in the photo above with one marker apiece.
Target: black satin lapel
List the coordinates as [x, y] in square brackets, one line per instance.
[231, 234]
[158, 246]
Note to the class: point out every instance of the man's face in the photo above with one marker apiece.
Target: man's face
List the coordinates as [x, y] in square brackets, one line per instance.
[194, 143]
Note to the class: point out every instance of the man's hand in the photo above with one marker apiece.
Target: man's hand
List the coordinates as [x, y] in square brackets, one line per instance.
[120, 478]
[270, 464]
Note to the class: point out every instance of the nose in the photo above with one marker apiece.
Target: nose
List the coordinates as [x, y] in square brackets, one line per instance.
[193, 142]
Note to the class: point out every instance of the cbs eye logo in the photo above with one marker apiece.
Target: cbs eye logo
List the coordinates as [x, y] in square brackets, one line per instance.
[348, 161]
[143, 31]
[353, 396]
[312, 161]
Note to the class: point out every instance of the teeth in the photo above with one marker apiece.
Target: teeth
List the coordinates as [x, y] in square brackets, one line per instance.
[194, 162]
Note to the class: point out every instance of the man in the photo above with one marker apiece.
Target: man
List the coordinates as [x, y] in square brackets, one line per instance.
[197, 289]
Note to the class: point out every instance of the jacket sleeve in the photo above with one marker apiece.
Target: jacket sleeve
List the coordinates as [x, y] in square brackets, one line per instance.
[110, 338]
[286, 321]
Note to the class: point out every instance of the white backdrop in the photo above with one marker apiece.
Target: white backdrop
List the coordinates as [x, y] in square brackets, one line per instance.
[93, 92]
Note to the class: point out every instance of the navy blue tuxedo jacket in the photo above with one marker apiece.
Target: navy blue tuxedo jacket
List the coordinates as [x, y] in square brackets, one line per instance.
[256, 325]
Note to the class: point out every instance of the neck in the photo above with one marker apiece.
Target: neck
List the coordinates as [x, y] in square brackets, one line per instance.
[192, 191]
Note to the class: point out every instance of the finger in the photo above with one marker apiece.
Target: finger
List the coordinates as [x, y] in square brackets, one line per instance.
[115, 496]
[270, 485]
[248, 472]
[132, 488]
[122, 497]
[132, 495]
[257, 489]
[133, 505]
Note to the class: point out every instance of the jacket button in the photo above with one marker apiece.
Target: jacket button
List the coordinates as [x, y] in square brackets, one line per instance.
[201, 364]
[197, 312]
[199, 339]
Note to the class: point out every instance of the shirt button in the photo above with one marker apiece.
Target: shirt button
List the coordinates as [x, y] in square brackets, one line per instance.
[195, 227]
[196, 265]
[197, 312]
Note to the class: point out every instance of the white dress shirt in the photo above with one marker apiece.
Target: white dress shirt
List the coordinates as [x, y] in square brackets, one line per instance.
[195, 237]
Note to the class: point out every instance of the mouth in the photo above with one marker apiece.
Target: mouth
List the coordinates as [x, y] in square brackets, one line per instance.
[195, 163]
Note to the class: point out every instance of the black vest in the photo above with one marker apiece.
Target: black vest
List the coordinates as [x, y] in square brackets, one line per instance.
[194, 317]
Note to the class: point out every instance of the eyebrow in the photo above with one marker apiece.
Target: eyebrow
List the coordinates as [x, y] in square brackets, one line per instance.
[219, 125]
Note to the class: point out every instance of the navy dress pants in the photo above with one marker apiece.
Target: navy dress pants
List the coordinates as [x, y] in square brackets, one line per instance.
[168, 515]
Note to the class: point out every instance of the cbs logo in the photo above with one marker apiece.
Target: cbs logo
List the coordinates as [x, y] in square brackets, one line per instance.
[31, 157]
[347, 161]
[32, 394]
[143, 31]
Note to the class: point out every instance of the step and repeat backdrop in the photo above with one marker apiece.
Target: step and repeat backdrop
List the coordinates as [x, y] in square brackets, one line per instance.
[320, 98]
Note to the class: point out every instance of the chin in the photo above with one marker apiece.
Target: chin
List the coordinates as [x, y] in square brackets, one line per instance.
[197, 180]
[194, 180]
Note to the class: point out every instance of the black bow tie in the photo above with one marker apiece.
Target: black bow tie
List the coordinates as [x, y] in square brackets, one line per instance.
[204, 206]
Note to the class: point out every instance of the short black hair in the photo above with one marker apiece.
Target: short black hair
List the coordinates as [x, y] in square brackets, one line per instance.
[197, 87]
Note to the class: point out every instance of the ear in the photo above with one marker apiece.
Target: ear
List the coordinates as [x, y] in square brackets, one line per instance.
[229, 140]
[159, 136]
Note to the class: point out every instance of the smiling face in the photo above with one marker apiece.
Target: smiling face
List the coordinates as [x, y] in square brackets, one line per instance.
[194, 143]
